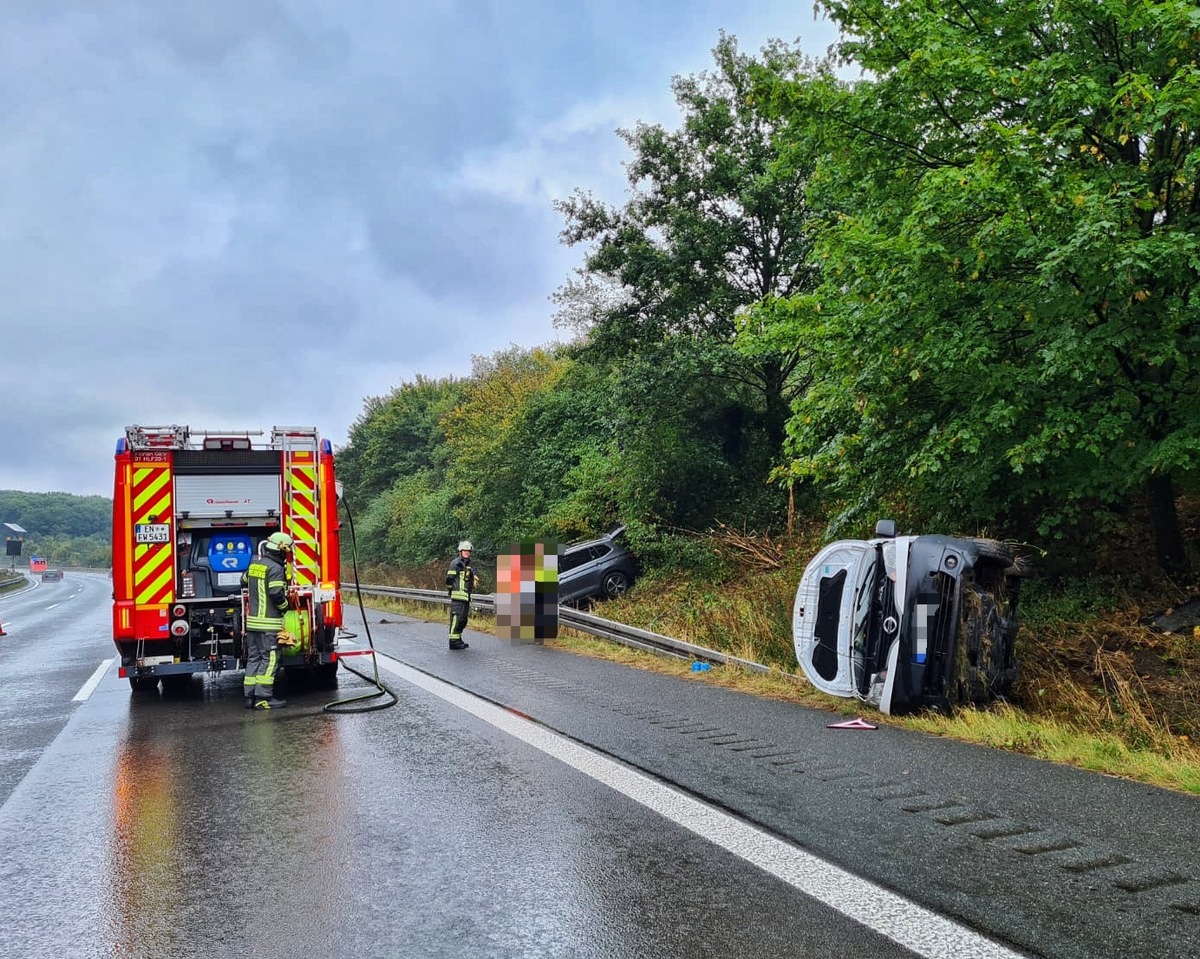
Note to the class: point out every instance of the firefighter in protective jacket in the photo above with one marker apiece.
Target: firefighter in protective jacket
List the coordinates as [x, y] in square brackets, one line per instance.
[460, 583]
[265, 582]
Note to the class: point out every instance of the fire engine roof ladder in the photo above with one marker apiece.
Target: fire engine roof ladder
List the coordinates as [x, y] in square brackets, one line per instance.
[157, 437]
[293, 440]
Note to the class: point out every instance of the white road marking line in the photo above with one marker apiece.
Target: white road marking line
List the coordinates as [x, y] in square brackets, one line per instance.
[918, 929]
[53, 605]
[86, 690]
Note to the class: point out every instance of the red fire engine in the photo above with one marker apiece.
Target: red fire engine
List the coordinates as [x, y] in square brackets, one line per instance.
[189, 512]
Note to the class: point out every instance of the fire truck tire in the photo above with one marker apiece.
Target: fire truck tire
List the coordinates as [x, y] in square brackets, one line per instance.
[326, 675]
[143, 684]
[177, 684]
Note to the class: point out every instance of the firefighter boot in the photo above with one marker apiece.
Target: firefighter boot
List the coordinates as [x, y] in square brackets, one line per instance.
[271, 703]
[459, 644]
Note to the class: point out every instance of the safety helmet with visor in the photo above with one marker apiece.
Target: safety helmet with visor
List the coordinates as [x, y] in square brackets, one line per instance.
[465, 544]
[278, 543]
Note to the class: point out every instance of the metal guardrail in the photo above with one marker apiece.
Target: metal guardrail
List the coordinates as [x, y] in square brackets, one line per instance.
[585, 623]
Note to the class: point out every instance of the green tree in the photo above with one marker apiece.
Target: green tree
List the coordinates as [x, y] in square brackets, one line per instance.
[485, 475]
[687, 452]
[411, 523]
[555, 469]
[65, 529]
[396, 436]
[51, 514]
[1007, 321]
[714, 224]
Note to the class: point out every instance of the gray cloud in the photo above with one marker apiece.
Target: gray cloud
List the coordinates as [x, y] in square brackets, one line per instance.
[194, 197]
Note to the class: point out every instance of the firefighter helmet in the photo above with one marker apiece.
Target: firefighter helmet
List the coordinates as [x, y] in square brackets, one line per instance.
[279, 543]
[465, 544]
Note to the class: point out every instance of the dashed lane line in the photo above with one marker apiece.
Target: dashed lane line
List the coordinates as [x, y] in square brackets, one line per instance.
[86, 690]
[925, 933]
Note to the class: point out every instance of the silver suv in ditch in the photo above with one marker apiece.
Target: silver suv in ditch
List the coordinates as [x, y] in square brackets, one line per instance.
[602, 568]
[906, 622]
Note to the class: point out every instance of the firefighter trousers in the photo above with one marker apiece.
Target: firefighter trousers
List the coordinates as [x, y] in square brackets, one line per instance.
[262, 658]
[460, 610]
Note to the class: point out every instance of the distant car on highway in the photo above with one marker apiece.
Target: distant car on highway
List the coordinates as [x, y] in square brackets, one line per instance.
[601, 568]
[51, 575]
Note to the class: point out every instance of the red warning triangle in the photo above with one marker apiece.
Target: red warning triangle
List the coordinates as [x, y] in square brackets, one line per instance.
[858, 723]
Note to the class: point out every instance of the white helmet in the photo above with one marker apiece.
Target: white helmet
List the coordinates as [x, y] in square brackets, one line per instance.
[465, 544]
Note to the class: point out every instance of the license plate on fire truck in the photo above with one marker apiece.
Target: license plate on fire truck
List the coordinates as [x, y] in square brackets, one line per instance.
[152, 533]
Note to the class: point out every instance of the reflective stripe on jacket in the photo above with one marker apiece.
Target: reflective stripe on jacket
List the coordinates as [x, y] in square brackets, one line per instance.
[460, 578]
[266, 583]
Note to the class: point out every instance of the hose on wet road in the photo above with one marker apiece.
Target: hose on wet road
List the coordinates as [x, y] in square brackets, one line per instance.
[361, 704]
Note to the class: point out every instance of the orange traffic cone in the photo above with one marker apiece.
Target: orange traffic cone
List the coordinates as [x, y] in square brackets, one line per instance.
[2, 632]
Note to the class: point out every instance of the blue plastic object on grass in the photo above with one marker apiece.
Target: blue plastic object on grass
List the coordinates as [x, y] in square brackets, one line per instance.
[699, 667]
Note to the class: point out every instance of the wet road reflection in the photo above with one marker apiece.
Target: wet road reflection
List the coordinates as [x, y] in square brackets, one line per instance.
[179, 824]
[226, 829]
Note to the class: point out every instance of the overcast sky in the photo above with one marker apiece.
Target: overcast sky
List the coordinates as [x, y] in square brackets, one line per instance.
[235, 214]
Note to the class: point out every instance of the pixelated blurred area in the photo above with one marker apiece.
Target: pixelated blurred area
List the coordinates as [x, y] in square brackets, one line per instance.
[527, 591]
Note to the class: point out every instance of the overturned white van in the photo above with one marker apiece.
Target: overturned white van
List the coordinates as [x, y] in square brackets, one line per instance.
[906, 622]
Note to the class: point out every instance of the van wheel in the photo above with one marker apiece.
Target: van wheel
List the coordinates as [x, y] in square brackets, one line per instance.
[143, 684]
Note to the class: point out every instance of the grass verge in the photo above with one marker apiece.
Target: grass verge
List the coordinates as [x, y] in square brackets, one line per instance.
[1082, 700]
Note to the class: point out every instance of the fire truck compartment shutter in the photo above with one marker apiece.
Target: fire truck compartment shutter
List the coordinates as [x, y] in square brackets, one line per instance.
[221, 497]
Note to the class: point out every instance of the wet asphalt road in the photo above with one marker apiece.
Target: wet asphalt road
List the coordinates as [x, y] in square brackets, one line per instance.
[175, 825]
[57, 635]
[180, 826]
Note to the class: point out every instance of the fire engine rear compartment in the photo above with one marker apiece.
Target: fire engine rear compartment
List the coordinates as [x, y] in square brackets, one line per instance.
[215, 505]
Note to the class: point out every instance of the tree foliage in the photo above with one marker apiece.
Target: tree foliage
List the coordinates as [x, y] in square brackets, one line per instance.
[65, 529]
[1006, 327]
[488, 479]
[714, 224]
[963, 280]
[51, 514]
[411, 523]
[396, 436]
[690, 449]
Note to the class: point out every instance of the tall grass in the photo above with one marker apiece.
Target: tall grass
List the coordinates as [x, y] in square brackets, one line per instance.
[1080, 699]
[750, 619]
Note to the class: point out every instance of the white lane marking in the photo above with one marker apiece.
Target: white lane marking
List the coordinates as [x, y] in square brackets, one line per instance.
[53, 605]
[916, 928]
[89, 687]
